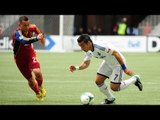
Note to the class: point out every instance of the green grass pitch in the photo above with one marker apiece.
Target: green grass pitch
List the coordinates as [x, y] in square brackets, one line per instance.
[65, 88]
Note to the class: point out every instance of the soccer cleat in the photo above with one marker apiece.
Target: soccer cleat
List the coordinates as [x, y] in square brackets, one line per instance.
[39, 96]
[106, 101]
[138, 83]
[43, 91]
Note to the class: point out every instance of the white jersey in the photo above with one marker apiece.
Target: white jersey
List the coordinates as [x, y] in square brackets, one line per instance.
[103, 51]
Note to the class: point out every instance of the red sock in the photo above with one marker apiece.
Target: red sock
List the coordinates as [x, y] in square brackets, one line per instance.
[35, 88]
[39, 82]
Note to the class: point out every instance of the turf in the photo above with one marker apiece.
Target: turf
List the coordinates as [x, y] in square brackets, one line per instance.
[65, 88]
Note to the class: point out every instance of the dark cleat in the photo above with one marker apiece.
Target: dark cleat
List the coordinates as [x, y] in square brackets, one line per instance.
[106, 101]
[138, 83]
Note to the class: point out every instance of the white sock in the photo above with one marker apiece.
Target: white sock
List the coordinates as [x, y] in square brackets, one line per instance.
[104, 89]
[124, 84]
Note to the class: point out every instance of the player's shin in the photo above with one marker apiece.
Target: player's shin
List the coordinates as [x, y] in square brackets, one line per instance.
[34, 86]
[124, 84]
[104, 89]
[39, 81]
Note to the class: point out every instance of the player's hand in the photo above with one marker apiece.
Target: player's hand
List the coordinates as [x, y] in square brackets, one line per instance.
[40, 36]
[72, 68]
[129, 72]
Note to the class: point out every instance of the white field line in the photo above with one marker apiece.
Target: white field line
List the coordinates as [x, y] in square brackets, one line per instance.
[59, 81]
[48, 81]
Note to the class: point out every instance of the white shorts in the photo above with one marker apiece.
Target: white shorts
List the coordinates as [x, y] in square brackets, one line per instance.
[115, 73]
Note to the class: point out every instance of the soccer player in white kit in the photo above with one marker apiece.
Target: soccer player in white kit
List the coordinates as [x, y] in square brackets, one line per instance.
[113, 66]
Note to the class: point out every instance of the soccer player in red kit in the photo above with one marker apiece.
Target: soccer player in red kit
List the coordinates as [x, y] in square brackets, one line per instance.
[25, 55]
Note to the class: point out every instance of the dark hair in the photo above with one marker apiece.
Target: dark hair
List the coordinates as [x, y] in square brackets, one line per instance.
[23, 18]
[85, 38]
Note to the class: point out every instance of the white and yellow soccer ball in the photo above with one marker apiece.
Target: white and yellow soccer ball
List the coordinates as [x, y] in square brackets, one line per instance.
[87, 98]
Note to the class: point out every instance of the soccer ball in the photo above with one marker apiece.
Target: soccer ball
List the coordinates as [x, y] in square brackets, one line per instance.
[87, 98]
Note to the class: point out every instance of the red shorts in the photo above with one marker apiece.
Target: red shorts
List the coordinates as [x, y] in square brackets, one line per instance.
[26, 63]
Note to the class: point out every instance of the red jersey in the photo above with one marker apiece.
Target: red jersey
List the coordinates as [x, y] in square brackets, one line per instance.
[21, 44]
[24, 54]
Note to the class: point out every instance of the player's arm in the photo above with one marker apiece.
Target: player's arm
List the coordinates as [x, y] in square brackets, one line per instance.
[24, 40]
[82, 66]
[38, 31]
[121, 62]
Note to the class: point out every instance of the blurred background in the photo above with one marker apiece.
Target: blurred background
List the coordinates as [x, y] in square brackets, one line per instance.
[96, 24]
[61, 26]
[73, 25]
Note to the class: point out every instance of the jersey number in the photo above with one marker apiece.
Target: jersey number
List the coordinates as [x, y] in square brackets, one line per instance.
[34, 59]
[116, 75]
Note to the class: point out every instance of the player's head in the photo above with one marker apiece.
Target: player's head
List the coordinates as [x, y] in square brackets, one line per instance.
[24, 23]
[85, 42]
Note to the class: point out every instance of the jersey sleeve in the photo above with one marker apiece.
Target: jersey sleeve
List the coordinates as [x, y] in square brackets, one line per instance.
[109, 48]
[13, 38]
[19, 37]
[33, 28]
[88, 56]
